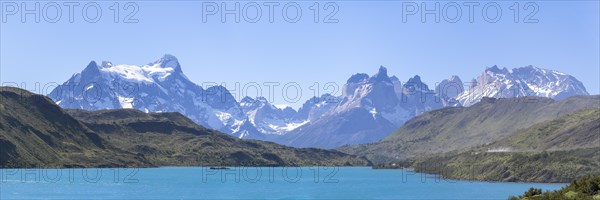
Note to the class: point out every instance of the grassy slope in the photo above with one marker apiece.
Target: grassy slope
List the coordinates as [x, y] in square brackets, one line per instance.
[551, 166]
[29, 139]
[35, 132]
[172, 139]
[557, 150]
[576, 130]
[451, 129]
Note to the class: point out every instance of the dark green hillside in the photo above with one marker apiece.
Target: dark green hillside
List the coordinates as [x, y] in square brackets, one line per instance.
[29, 139]
[172, 139]
[35, 132]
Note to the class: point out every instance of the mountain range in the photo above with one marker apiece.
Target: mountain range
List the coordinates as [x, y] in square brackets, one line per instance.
[519, 82]
[368, 110]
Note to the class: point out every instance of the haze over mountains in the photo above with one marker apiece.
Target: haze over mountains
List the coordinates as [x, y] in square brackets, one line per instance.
[369, 108]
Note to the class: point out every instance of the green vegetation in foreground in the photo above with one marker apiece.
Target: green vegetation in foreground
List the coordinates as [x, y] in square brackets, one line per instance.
[586, 188]
[35, 132]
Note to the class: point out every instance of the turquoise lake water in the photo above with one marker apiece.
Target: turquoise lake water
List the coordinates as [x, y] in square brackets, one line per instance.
[246, 183]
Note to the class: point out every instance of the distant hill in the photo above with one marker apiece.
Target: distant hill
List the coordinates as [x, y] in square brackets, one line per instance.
[35, 132]
[551, 166]
[172, 139]
[556, 150]
[460, 128]
[577, 130]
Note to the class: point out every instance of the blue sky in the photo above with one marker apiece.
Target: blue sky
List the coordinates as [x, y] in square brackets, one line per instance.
[369, 34]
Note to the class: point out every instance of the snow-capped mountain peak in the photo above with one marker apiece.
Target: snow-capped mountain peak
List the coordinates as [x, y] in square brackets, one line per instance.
[159, 86]
[550, 83]
[369, 108]
[168, 61]
[269, 119]
[156, 71]
[523, 81]
[249, 103]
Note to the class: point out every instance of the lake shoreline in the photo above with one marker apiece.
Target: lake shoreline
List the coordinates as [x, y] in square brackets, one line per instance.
[430, 175]
[249, 183]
